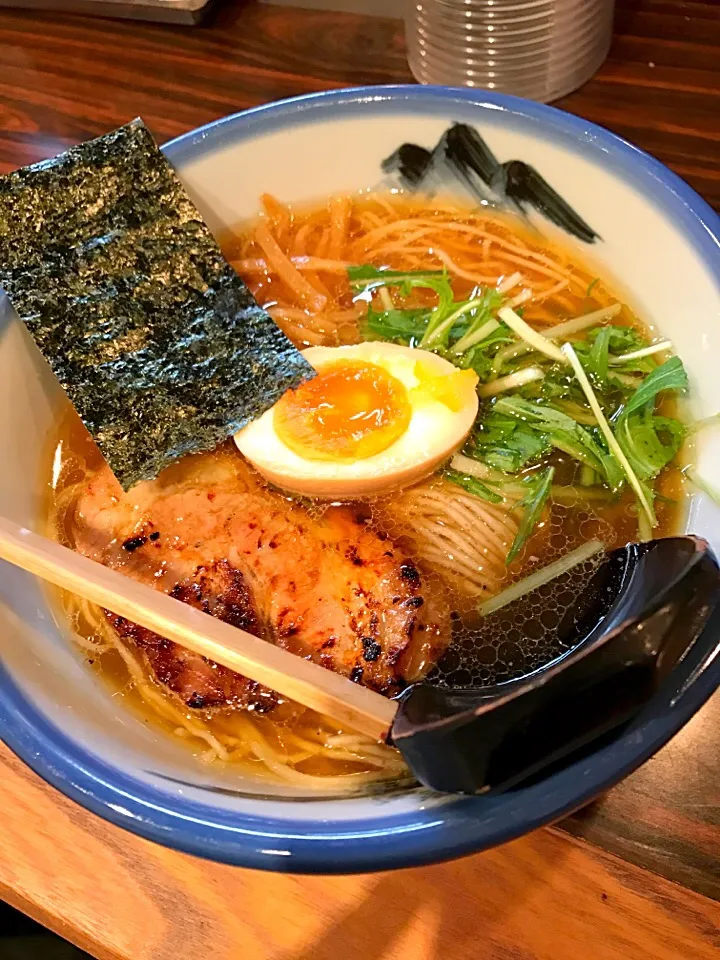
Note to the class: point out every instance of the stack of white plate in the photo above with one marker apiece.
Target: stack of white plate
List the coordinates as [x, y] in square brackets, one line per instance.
[541, 49]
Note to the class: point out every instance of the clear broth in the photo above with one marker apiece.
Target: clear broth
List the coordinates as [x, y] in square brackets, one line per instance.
[518, 641]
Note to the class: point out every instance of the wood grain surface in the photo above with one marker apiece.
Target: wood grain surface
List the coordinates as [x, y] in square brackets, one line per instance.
[64, 79]
[545, 897]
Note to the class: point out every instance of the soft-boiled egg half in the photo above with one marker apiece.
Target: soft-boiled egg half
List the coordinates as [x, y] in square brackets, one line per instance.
[377, 416]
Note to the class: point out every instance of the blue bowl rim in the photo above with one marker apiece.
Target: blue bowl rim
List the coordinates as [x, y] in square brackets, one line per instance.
[437, 832]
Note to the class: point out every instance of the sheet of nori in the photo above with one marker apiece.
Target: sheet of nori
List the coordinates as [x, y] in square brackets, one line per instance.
[158, 343]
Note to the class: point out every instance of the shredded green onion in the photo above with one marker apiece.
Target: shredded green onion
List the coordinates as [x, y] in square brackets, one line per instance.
[711, 421]
[473, 485]
[384, 295]
[511, 352]
[533, 504]
[702, 484]
[559, 493]
[521, 298]
[475, 468]
[568, 327]
[614, 447]
[644, 352]
[554, 570]
[587, 476]
[511, 382]
[471, 339]
[536, 340]
[509, 282]
[436, 335]
[644, 528]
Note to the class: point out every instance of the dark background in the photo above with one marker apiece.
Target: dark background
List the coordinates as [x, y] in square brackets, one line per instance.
[22, 939]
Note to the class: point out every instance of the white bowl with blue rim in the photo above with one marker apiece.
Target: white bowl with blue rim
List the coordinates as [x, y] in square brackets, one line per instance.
[658, 237]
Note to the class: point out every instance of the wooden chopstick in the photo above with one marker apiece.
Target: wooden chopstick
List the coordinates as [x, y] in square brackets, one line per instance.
[291, 676]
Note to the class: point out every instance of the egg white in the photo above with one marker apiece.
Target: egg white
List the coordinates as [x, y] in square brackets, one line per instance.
[434, 433]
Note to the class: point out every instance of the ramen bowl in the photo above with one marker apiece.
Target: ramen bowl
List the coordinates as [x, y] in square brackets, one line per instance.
[657, 238]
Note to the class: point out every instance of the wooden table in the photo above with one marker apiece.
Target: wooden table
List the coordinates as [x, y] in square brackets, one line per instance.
[636, 876]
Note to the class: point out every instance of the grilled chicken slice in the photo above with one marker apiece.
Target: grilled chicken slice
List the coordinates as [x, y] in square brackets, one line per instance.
[324, 585]
[221, 591]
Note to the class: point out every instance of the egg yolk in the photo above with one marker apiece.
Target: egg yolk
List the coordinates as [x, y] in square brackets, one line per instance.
[449, 389]
[350, 411]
